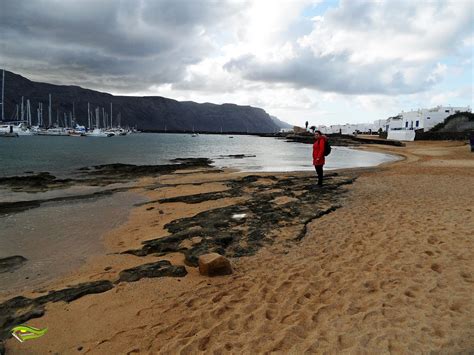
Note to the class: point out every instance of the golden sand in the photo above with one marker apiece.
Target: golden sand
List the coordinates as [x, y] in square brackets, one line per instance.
[390, 271]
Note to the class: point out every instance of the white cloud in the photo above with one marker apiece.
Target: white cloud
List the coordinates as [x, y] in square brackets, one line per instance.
[357, 60]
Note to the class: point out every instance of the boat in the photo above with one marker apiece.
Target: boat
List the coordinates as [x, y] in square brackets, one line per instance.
[78, 131]
[23, 130]
[6, 131]
[57, 131]
[20, 130]
[98, 133]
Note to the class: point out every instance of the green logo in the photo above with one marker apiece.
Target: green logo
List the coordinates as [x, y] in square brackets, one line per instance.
[25, 332]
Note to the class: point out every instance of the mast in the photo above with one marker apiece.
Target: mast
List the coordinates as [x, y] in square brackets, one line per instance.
[41, 113]
[49, 112]
[111, 117]
[88, 117]
[97, 117]
[22, 110]
[3, 96]
[28, 112]
[103, 118]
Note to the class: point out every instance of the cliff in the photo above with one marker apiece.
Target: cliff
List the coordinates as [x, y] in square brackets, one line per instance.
[146, 113]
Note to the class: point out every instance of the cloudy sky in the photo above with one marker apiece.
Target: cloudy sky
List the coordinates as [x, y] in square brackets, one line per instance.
[327, 62]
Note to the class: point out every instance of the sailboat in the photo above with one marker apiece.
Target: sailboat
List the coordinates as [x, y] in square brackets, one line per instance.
[6, 131]
[97, 132]
[194, 134]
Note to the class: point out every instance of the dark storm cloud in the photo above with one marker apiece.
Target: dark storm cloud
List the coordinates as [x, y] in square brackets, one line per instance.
[332, 73]
[107, 43]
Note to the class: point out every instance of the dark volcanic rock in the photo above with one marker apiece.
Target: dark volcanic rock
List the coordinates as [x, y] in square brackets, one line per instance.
[238, 156]
[161, 268]
[75, 292]
[38, 182]
[222, 233]
[100, 175]
[20, 309]
[130, 171]
[11, 263]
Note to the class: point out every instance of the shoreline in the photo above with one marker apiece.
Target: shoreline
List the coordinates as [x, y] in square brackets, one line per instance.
[149, 228]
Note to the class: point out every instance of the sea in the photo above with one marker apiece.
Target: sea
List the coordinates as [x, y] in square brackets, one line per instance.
[61, 156]
[58, 237]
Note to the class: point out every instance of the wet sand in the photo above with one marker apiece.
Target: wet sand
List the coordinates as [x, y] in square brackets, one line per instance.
[58, 237]
[392, 270]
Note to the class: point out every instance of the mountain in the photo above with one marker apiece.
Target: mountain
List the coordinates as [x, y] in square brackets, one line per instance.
[280, 123]
[152, 113]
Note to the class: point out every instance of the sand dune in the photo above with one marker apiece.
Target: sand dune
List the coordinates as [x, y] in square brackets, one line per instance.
[392, 271]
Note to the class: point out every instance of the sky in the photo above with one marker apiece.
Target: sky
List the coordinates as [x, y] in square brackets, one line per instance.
[326, 62]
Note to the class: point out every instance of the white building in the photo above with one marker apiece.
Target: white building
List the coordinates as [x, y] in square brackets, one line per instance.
[348, 128]
[428, 118]
[403, 126]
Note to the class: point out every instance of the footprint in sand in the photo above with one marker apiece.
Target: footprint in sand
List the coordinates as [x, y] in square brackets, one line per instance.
[436, 268]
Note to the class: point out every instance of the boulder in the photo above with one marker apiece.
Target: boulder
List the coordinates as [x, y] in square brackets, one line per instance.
[162, 268]
[11, 263]
[214, 264]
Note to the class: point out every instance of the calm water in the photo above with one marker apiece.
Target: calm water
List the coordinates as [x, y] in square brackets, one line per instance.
[58, 237]
[62, 155]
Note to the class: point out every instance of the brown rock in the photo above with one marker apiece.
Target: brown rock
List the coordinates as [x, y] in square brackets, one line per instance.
[213, 264]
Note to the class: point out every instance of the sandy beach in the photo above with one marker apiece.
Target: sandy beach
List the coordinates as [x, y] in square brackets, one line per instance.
[387, 268]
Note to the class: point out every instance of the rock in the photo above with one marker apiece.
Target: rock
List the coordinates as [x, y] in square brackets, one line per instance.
[213, 264]
[20, 309]
[77, 291]
[161, 268]
[11, 263]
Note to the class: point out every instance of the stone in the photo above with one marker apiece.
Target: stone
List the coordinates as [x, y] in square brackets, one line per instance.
[214, 264]
[11, 263]
[162, 268]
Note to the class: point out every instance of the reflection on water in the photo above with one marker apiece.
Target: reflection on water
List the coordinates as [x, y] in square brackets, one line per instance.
[57, 238]
[62, 155]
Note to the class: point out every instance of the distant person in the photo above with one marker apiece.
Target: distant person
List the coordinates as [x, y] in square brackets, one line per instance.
[318, 154]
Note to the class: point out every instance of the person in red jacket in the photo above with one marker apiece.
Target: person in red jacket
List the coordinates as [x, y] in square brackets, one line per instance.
[318, 154]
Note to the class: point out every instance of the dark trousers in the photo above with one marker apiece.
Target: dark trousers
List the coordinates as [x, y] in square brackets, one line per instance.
[319, 171]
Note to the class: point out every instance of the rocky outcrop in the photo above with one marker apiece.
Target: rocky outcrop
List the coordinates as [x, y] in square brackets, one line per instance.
[100, 175]
[161, 268]
[20, 309]
[213, 264]
[217, 231]
[11, 263]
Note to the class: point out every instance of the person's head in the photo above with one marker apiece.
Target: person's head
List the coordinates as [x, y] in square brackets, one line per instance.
[317, 134]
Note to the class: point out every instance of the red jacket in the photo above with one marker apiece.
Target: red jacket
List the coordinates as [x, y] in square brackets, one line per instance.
[318, 151]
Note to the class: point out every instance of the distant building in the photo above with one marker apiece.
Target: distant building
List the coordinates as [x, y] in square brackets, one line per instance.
[403, 126]
[428, 118]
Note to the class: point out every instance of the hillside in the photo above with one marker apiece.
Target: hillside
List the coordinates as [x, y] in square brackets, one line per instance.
[459, 122]
[146, 113]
